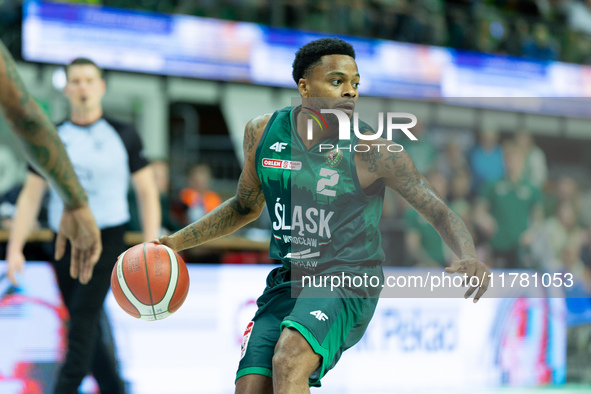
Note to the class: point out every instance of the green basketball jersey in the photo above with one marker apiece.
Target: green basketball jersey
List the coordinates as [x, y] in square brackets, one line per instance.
[321, 217]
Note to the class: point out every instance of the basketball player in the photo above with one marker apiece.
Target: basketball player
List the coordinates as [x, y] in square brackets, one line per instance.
[105, 155]
[46, 152]
[292, 342]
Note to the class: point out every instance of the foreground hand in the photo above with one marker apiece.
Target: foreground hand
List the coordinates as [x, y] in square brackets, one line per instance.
[79, 227]
[472, 267]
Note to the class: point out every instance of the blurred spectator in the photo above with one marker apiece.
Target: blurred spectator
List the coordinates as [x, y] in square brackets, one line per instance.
[513, 41]
[408, 21]
[586, 254]
[96, 2]
[459, 192]
[295, 13]
[169, 224]
[578, 15]
[535, 169]
[453, 161]
[357, 18]
[540, 45]
[576, 48]
[510, 211]
[489, 26]
[9, 12]
[489, 34]
[10, 169]
[459, 28]
[558, 233]
[566, 190]
[423, 243]
[573, 263]
[197, 197]
[422, 152]
[486, 160]
[319, 16]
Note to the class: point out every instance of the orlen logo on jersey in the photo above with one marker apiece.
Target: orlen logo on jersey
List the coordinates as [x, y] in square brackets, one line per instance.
[345, 129]
[285, 164]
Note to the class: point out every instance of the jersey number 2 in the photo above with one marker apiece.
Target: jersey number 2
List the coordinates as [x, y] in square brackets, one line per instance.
[329, 179]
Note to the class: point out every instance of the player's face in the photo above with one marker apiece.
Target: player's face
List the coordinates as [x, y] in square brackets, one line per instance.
[335, 78]
[84, 88]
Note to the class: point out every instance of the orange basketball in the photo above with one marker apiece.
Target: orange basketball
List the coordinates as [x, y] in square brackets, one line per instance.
[150, 281]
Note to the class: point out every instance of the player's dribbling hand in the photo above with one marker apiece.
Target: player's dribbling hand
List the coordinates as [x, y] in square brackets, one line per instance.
[79, 227]
[166, 241]
[472, 267]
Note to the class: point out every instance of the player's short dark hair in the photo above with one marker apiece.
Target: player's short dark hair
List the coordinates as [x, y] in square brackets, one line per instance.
[82, 61]
[310, 54]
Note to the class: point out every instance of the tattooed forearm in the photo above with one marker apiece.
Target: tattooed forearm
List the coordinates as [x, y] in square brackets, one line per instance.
[9, 75]
[248, 198]
[454, 232]
[249, 140]
[402, 176]
[225, 219]
[431, 206]
[238, 211]
[253, 128]
[37, 134]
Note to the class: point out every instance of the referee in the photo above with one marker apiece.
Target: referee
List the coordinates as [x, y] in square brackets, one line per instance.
[105, 155]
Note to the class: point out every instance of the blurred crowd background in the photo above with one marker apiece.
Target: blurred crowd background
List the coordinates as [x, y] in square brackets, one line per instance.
[538, 29]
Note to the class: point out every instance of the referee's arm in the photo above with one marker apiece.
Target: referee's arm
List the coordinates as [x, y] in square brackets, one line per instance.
[144, 183]
[400, 174]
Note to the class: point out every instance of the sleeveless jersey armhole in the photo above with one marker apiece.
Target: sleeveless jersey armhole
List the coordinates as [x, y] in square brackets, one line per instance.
[263, 138]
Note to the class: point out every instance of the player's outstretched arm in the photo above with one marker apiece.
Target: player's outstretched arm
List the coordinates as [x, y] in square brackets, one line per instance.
[400, 174]
[236, 212]
[37, 134]
[46, 152]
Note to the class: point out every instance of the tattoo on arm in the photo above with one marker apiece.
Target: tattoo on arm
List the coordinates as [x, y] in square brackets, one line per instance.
[372, 157]
[37, 134]
[250, 138]
[241, 209]
[402, 175]
[10, 75]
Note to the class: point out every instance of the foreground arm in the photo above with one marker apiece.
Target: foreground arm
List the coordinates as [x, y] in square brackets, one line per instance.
[46, 152]
[400, 174]
[37, 134]
[234, 213]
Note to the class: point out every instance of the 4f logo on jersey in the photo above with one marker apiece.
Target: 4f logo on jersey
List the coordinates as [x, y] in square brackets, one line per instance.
[329, 179]
[278, 146]
[319, 315]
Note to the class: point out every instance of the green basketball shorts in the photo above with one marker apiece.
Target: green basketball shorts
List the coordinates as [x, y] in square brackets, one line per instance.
[330, 325]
